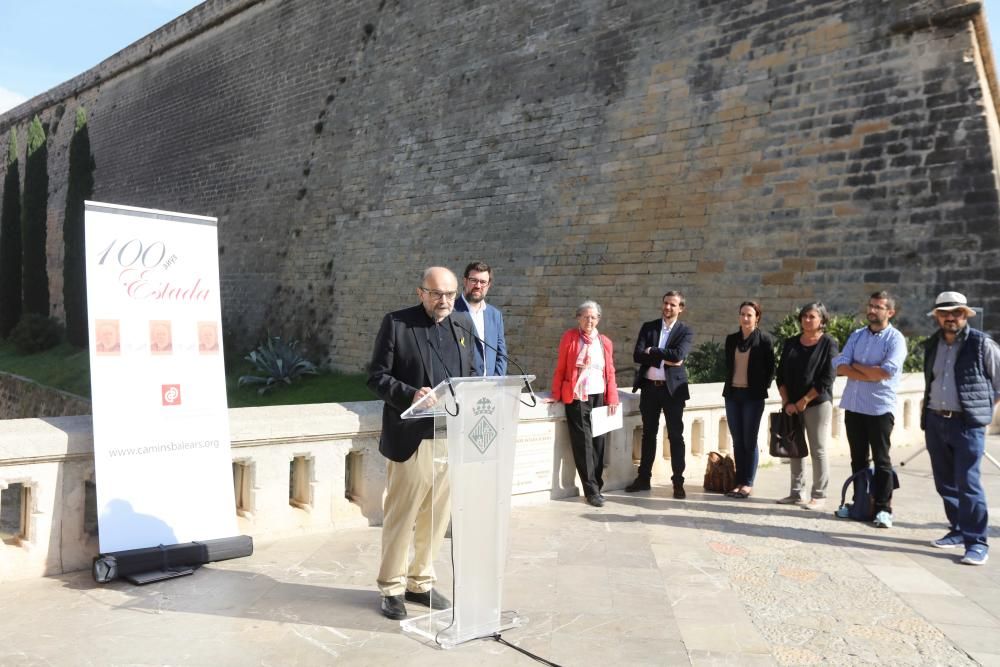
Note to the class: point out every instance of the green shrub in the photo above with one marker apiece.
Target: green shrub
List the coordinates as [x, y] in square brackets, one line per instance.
[914, 354]
[279, 362]
[841, 327]
[35, 333]
[706, 363]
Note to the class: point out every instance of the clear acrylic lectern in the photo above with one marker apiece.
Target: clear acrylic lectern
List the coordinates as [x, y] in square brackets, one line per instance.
[475, 429]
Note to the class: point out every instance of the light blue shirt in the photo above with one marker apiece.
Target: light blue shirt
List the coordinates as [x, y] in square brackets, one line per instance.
[885, 349]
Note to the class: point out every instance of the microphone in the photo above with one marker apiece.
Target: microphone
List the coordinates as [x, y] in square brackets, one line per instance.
[527, 385]
[447, 380]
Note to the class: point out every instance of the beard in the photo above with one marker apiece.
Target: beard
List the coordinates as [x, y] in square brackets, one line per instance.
[474, 297]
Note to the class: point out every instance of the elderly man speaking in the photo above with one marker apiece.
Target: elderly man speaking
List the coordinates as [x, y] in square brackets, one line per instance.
[416, 348]
[962, 386]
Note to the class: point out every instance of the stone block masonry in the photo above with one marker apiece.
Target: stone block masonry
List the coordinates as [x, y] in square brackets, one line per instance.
[808, 149]
[21, 398]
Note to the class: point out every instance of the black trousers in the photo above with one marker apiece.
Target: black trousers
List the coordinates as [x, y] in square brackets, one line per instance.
[870, 433]
[588, 451]
[654, 400]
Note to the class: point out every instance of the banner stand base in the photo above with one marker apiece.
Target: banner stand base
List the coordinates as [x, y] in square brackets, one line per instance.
[437, 626]
[157, 575]
[168, 561]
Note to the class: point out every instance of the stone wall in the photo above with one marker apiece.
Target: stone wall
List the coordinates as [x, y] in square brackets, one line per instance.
[21, 398]
[807, 149]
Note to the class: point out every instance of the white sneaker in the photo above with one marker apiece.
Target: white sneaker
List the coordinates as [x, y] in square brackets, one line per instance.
[883, 520]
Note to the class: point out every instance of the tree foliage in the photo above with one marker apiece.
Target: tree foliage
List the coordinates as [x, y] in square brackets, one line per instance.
[839, 326]
[80, 189]
[34, 215]
[706, 363]
[10, 242]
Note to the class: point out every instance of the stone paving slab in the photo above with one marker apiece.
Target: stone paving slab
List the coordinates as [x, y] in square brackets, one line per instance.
[646, 580]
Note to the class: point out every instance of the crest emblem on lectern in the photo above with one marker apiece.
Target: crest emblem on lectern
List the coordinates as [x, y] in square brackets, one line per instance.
[483, 433]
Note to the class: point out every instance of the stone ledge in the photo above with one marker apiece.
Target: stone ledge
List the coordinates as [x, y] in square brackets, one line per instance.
[346, 474]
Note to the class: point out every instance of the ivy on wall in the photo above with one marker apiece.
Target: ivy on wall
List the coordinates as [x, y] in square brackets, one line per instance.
[33, 222]
[79, 189]
[10, 242]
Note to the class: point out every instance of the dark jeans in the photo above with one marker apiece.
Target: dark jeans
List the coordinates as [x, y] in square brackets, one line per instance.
[652, 401]
[588, 451]
[870, 433]
[956, 452]
[743, 415]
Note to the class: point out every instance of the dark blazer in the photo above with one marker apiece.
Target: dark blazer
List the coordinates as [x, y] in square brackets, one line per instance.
[400, 365]
[817, 374]
[496, 364]
[678, 346]
[760, 365]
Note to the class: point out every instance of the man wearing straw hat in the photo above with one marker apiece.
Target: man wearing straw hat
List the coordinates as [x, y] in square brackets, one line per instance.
[962, 386]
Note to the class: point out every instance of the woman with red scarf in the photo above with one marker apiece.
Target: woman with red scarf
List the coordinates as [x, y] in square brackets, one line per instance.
[585, 379]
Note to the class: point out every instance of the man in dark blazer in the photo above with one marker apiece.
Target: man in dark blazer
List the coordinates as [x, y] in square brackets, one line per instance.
[416, 348]
[491, 358]
[660, 350]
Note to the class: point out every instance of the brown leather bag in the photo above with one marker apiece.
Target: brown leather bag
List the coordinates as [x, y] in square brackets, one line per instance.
[720, 473]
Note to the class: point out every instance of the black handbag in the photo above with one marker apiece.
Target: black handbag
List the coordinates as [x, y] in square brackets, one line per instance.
[788, 436]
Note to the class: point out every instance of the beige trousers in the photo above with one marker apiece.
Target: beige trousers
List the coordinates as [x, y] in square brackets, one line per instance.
[417, 509]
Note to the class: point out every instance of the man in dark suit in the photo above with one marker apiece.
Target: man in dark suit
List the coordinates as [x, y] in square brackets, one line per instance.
[416, 348]
[660, 350]
[491, 358]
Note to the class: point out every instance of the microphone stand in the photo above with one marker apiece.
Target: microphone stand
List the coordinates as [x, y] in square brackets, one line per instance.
[451, 387]
[527, 385]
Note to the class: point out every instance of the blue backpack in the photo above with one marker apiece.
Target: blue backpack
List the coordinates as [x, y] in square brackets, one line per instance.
[863, 507]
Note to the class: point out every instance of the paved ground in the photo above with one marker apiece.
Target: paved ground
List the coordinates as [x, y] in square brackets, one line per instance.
[646, 580]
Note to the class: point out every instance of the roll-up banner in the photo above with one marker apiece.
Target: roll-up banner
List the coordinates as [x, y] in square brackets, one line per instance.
[158, 387]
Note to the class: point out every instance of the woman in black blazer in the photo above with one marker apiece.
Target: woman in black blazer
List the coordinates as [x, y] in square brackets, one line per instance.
[805, 382]
[749, 371]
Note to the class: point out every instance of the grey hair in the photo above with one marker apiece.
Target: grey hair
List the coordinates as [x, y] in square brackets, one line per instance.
[586, 305]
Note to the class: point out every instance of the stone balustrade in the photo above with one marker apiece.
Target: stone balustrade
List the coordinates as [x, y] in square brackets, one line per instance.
[317, 468]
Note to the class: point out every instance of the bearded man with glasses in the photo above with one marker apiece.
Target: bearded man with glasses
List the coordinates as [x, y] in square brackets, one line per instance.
[491, 348]
[416, 348]
[962, 388]
[872, 360]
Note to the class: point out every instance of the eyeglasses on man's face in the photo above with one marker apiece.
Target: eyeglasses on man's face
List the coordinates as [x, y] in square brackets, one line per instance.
[877, 307]
[478, 282]
[438, 295]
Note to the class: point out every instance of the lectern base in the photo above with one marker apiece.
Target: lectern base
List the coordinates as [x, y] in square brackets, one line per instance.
[437, 626]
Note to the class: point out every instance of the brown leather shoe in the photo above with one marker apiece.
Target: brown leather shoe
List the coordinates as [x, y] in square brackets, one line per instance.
[679, 492]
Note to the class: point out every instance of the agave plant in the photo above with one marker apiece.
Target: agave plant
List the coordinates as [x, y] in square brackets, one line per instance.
[279, 362]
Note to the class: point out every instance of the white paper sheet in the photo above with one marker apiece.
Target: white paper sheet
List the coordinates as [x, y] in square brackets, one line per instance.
[602, 422]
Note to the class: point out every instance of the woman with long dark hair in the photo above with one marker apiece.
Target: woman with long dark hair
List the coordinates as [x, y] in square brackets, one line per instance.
[749, 371]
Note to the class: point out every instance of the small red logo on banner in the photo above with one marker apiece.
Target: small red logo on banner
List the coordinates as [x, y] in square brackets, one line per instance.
[171, 394]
